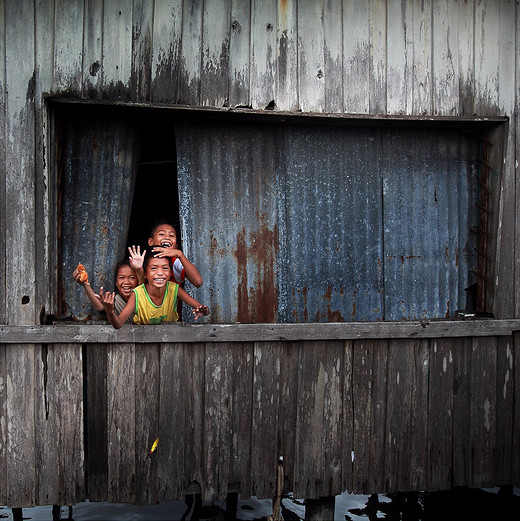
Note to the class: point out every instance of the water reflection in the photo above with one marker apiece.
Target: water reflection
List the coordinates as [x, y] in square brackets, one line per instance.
[456, 504]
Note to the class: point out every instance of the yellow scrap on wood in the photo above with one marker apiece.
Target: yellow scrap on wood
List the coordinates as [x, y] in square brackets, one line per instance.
[154, 446]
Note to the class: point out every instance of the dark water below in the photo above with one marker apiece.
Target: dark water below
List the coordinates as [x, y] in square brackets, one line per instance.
[456, 504]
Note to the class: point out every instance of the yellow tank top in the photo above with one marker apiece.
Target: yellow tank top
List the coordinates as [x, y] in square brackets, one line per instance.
[146, 312]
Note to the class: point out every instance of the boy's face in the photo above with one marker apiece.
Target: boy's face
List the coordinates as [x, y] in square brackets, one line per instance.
[165, 236]
[157, 271]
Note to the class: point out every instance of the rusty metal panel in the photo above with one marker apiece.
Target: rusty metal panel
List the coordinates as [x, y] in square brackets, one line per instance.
[98, 167]
[430, 188]
[307, 223]
[331, 229]
[227, 194]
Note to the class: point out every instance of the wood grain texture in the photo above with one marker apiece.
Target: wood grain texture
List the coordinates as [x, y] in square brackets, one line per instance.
[96, 443]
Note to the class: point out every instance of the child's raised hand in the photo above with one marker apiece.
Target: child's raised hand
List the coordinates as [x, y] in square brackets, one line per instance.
[160, 251]
[107, 299]
[200, 311]
[136, 258]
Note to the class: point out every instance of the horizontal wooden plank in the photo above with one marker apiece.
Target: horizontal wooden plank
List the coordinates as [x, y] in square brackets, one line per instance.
[171, 333]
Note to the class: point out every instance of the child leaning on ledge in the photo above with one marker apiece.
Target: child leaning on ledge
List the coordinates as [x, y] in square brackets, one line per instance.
[155, 301]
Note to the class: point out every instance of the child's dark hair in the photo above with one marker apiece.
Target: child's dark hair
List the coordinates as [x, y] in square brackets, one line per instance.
[119, 265]
[151, 255]
[161, 222]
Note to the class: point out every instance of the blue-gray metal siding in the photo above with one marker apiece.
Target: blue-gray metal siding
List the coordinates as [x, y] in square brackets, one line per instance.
[304, 223]
[99, 164]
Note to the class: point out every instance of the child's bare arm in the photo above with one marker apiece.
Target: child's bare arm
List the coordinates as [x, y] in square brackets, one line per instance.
[107, 300]
[199, 310]
[89, 291]
[192, 273]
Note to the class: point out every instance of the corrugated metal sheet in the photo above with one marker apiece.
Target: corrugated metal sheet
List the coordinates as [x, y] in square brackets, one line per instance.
[228, 204]
[302, 223]
[99, 161]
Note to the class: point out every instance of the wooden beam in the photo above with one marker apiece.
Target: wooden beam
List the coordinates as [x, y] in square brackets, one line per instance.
[214, 333]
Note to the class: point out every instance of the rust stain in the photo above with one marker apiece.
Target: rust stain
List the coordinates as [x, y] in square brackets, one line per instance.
[257, 303]
[447, 309]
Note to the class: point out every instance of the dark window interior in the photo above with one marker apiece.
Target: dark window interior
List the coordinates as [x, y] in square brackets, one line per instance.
[156, 195]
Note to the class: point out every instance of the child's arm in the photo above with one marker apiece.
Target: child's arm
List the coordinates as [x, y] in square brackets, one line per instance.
[108, 303]
[199, 310]
[192, 273]
[136, 262]
[89, 291]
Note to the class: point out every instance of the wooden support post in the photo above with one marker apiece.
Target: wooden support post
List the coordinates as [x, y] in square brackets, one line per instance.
[321, 509]
[17, 514]
[231, 506]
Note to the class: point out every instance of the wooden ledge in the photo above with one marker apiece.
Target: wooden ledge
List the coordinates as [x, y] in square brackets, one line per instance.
[174, 333]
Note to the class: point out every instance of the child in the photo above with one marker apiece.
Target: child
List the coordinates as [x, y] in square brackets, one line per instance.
[155, 301]
[163, 240]
[125, 281]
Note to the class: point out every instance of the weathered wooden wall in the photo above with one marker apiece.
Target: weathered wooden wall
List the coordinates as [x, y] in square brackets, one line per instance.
[429, 408]
[376, 58]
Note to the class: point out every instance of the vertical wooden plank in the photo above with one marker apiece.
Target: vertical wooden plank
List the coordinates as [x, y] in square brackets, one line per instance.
[466, 72]
[117, 50]
[121, 422]
[174, 436]
[241, 419]
[217, 425]
[333, 58]
[166, 66]
[97, 418]
[369, 391]
[377, 57]
[142, 52]
[503, 456]
[516, 151]
[68, 47]
[419, 423]
[311, 59]
[445, 58]
[421, 36]
[3, 166]
[440, 413]
[65, 399]
[286, 69]
[487, 26]
[288, 414]
[266, 416]
[239, 45]
[21, 436]
[506, 255]
[46, 423]
[399, 81]
[348, 416]
[45, 194]
[406, 424]
[92, 78]
[3, 424]
[191, 53]
[20, 219]
[147, 393]
[214, 75]
[194, 361]
[461, 413]
[263, 53]
[319, 420]
[515, 460]
[483, 376]
[356, 57]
